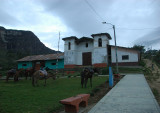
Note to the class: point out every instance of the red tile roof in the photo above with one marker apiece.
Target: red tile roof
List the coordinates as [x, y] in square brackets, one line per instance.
[42, 57]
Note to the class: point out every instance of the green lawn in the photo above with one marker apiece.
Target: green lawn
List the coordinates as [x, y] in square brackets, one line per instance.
[21, 97]
[128, 70]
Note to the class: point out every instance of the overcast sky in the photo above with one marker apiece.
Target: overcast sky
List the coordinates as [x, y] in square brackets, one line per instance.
[136, 21]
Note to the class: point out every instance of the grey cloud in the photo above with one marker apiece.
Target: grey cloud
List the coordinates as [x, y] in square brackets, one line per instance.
[81, 20]
[7, 19]
[18, 13]
[77, 15]
[150, 39]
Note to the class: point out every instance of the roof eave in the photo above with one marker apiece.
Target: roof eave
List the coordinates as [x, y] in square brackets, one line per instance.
[71, 37]
[108, 35]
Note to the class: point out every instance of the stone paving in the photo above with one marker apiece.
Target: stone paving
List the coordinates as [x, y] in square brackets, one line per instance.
[131, 95]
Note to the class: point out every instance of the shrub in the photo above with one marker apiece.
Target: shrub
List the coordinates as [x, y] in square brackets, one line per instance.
[105, 71]
[69, 76]
[78, 75]
[147, 71]
[142, 63]
[155, 92]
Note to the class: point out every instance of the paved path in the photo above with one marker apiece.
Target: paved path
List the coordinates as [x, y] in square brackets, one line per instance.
[131, 95]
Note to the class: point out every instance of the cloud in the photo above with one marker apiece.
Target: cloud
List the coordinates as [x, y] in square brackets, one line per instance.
[7, 19]
[150, 39]
[29, 15]
[79, 17]
[76, 18]
[75, 15]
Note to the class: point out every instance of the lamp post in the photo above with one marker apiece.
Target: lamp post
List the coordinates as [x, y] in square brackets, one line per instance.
[115, 45]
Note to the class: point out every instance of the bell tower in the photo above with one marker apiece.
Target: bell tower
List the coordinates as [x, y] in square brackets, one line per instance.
[100, 52]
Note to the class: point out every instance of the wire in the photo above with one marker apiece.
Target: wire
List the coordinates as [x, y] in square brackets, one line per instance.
[109, 28]
[137, 28]
[94, 10]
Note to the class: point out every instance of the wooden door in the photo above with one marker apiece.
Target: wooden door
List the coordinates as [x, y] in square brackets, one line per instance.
[87, 58]
[37, 66]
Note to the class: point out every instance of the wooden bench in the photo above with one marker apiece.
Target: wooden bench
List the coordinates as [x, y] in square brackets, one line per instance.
[72, 104]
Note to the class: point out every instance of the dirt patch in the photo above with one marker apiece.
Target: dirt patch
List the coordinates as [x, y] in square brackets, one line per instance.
[153, 78]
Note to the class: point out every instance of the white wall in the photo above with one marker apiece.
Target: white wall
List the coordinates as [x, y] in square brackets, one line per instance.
[104, 40]
[100, 55]
[81, 48]
[74, 56]
[70, 55]
[133, 57]
[73, 45]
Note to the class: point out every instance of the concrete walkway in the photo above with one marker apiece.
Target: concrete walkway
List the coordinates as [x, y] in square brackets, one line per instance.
[131, 95]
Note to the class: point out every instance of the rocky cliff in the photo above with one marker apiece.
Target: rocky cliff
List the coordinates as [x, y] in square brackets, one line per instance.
[22, 41]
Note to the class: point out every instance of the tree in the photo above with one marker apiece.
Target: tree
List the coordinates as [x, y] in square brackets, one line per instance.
[139, 48]
[157, 57]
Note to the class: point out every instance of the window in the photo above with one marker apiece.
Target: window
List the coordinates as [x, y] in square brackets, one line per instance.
[24, 64]
[53, 63]
[125, 57]
[69, 46]
[99, 42]
[86, 45]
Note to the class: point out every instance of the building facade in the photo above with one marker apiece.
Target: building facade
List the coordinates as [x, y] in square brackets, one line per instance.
[126, 56]
[97, 52]
[36, 61]
[86, 51]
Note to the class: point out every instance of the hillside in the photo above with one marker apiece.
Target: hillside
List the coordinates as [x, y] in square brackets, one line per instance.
[22, 41]
[15, 44]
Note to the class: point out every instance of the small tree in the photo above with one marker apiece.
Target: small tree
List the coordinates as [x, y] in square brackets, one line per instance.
[157, 57]
[139, 48]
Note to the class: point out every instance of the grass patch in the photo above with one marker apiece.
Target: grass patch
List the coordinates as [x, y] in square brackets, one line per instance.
[155, 92]
[3, 73]
[95, 90]
[128, 70]
[21, 97]
[142, 63]
[105, 71]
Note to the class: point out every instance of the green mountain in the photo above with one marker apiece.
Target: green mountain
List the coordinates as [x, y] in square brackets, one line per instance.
[15, 44]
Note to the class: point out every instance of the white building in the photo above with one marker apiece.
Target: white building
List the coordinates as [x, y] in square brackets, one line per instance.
[94, 51]
[126, 56]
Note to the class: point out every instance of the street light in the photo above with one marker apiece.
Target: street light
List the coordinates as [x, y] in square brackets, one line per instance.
[115, 45]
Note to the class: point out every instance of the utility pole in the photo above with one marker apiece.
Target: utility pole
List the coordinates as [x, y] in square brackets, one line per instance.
[57, 55]
[115, 45]
[116, 49]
